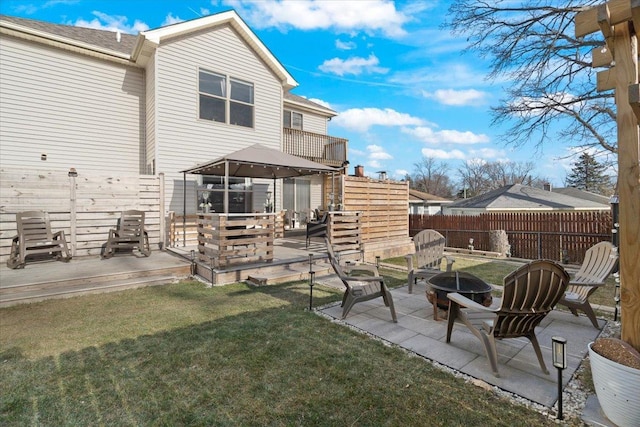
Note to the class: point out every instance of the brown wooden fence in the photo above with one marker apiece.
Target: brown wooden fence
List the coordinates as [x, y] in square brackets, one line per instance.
[559, 236]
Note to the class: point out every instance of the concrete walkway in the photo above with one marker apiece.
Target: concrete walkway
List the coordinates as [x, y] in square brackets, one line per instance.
[520, 372]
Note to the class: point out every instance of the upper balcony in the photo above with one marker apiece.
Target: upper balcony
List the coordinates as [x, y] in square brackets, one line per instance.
[325, 149]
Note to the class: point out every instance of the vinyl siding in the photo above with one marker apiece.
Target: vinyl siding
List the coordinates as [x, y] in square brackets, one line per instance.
[79, 111]
[182, 139]
[313, 123]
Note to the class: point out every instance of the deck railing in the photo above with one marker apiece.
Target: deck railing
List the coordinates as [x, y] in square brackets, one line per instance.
[232, 239]
[316, 147]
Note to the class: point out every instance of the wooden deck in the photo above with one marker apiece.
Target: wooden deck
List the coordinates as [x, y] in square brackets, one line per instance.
[42, 280]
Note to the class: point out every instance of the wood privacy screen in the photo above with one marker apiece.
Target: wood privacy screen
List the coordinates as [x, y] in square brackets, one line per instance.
[85, 206]
[531, 235]
[384, 205]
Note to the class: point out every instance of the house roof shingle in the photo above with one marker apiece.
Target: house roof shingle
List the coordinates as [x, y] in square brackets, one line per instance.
[517, 196]
[415, 195]
[581, 194]
[99, 38]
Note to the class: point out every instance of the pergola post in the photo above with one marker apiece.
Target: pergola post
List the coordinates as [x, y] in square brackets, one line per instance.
[616, 20]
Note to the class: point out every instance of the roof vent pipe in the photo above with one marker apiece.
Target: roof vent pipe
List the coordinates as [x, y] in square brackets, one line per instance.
[118, 36]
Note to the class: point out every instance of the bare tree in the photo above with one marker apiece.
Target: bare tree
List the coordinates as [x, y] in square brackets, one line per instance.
[551, 92]
[433, 178]
[477, 176]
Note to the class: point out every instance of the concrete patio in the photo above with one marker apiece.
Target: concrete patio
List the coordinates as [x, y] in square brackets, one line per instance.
[520, 373]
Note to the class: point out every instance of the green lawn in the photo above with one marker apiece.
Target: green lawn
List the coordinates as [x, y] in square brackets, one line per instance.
[184, 354]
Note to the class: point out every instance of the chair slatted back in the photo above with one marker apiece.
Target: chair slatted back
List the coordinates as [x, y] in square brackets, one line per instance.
[529, 294]
[131, 224]
[599, 261]
[34, 227]
[429, 246]
[337, 268]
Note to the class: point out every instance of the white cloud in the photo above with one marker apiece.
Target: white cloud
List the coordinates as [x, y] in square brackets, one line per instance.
[374, 16]
[321, 102]
[102, 21]
[170, 19]
[361, 119]
[374, 164]
[355, 65]
[443, 154]
[401, 173]
[527, 107]
[490, 154]
[376, 152]
[345, 45]
[431, 136]
[441, 75]
[457, 97]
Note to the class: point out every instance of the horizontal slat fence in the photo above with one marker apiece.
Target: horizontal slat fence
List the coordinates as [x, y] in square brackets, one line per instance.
[384, 205]
[85, 206]
[233, 239]
[559, 236]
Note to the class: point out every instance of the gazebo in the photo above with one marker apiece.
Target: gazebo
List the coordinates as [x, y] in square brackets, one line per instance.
[224, 237]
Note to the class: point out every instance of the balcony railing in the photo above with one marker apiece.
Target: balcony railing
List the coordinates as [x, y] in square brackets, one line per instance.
[325, 149]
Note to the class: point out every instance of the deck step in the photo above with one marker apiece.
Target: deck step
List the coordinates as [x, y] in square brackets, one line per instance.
[33, 292]
[289, 275]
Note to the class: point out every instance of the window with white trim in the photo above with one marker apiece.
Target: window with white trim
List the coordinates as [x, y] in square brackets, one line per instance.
[292, 120]
[219, 94]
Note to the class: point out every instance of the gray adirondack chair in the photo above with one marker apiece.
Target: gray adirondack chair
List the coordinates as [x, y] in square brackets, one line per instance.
[129, 234]
[360, 287]
[529, 294]
[599, 261]
[429, 253]
[35, 237]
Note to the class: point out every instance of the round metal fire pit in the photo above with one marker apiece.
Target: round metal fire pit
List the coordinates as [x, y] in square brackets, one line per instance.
[466, 284]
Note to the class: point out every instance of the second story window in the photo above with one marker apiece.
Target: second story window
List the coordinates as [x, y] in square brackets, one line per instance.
[292, 120]
[241, 104]
[219, 94]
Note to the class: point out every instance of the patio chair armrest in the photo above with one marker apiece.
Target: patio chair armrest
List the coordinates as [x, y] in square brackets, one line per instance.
[58, 234]
[450, 261]
[15, 238]
[349, 269]
[496, 287]
[364, 278]
[463, 301]
[590, 284]
[409, 259]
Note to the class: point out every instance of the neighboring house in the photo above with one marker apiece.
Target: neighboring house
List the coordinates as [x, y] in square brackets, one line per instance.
[159, 102]
[521, 198]
[421, 203]
[581, 194]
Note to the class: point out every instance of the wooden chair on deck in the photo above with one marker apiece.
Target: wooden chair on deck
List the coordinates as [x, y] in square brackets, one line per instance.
[599, 261]
[529, 294]
[129, 234]
[429, 253]
[360, 287]
[35, 237]
[317, 228]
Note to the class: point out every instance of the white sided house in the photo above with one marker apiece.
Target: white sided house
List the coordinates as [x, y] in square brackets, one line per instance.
[106, 103]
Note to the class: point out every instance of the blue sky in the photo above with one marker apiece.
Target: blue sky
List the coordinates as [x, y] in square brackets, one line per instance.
[401, 85]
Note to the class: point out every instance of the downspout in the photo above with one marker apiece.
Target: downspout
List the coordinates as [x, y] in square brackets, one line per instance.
[184, 209]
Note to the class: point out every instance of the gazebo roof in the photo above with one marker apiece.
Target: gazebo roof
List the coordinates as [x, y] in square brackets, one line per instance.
[258, 161]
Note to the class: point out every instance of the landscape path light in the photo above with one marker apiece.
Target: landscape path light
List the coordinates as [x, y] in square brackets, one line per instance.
[559, 353]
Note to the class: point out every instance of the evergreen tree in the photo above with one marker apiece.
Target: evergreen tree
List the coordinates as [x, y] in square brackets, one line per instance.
[589, 175]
